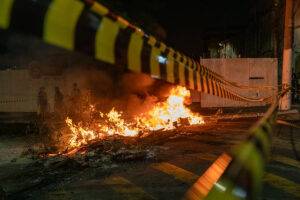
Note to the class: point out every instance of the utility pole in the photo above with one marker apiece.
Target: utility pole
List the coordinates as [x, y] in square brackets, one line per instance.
[286, 101]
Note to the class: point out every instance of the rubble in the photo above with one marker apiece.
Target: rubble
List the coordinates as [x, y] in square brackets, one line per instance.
[102, 153]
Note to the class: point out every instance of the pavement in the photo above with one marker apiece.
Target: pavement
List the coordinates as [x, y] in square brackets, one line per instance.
[181, 159]
[282, 176]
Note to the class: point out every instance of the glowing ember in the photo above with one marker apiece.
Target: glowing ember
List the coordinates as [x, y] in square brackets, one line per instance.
[163, 116]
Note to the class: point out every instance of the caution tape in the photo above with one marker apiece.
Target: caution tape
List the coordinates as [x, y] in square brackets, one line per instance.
[89, 27]
[238, 174]
[13, 101]
[190, 63]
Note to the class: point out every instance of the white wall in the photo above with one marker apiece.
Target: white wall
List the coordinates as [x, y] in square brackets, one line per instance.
[18, 91]
[240, 70]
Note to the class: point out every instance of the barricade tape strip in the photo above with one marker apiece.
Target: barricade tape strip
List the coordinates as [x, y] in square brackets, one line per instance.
[242, 178]
[89, 27]
[13, 101]
[99, 9]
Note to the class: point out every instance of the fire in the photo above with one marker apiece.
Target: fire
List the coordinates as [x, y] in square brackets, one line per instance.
[167, 114]
[163, 116]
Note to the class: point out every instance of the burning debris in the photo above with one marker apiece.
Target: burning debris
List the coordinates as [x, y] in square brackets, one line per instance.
[96, 139]
[165, 115]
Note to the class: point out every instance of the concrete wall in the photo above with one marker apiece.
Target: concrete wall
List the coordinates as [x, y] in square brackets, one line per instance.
[244, 71]
[18, 90]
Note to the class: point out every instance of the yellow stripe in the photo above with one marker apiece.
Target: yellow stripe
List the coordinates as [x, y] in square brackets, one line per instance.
[154, 64]
[260, 135]
[209, 178]
[177, 172]
[60, 22]
[198, 81]
[139, 32]
[134, 52]
[184, 60]
[251, 160]
[162, 47]
[287, 161]
[99, 9]
[177, 56]
[151, 40]
[204, 84]
[210, 85]
[105, 40]
[5, 11]
[219, 90]
[214, 86]
[191, 79]
[126, 189]
[283, 184]
[194, 65]
[172, 53]
[181, 73]
[170, 70]
[123, 22]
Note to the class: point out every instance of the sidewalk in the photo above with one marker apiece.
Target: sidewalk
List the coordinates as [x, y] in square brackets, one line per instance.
[282, 176]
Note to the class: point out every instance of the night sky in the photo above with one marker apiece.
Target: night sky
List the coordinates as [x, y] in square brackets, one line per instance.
[189, 24]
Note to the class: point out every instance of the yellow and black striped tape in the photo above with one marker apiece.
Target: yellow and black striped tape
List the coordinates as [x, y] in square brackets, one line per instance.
[239, 176]
[8, 101]
[89, 27]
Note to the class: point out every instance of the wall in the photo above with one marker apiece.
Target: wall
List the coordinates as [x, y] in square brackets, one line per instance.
[18, 90]
[297, 38]
[240, 70]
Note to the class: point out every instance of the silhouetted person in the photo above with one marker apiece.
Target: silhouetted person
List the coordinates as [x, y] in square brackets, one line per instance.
[75, 107]
[75, 92]
[42, 103]
[58, 102]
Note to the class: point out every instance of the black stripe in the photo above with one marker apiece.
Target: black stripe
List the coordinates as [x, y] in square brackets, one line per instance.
[175, 55]
[266, 130]
[258, 144]
[121, 47]
[222, 92]
[145, 56]
[157, 44]
[186, 76]
[85, 34]
[167, 51]
[132, 28]
[201, 83]
[181, 60]
[112, 16]
[176, 72]
[213, 87]
[28, 16]
[208, 86]
[217, 88]
[195, 80]
[163, 67]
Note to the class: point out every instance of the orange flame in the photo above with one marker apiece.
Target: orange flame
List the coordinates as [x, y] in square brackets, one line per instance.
[165, 115]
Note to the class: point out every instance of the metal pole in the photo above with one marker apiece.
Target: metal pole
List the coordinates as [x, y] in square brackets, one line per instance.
[287, 55]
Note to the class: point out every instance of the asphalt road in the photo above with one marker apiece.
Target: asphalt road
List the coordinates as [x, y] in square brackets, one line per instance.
[180, 160]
